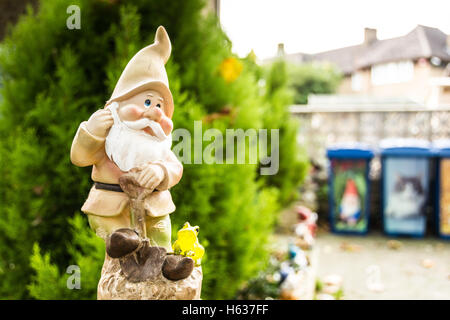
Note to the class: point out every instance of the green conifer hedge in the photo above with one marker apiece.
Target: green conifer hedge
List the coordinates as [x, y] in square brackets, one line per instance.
[52, 78]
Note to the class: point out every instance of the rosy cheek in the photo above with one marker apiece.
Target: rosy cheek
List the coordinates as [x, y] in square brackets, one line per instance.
[130, 112]
[166, 124]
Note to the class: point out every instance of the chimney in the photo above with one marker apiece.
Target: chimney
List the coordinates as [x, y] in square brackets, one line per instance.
[370, 36]
[280, 51]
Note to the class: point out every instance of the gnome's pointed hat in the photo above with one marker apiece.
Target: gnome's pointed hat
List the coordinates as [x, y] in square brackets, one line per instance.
[145, 71]
[350, 188]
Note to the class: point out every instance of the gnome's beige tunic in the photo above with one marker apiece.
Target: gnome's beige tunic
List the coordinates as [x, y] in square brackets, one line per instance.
[109, 210]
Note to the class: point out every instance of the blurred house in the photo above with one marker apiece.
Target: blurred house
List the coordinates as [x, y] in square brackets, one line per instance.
[394, 88]
[415, 66]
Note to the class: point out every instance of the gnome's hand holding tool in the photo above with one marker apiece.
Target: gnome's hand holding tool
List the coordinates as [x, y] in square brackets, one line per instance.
[128, 144]
[150, 176]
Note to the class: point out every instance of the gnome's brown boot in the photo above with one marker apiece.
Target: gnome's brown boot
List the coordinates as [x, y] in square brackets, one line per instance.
[122, 242]
[177, 267]
[143, 264]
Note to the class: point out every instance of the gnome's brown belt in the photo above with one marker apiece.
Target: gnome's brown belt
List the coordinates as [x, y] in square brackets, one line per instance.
[108, 186]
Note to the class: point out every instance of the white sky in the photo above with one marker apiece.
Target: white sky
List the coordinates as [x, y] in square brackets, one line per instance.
[317, 25]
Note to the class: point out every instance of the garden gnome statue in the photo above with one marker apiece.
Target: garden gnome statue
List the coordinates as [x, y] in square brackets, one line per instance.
[350, 208]
[128, 144]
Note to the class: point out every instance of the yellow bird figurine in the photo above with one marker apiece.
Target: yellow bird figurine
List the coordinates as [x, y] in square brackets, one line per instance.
[187, 243]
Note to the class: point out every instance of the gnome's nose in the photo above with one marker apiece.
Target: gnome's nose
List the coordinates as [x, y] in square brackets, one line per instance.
[154, 114]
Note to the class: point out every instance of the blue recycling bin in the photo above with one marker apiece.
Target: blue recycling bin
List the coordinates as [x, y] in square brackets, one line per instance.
[442, 197]
[405, 186]
[349, 193]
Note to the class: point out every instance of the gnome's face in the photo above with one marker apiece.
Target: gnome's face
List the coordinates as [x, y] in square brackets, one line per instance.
[144, 106]
[141, 131]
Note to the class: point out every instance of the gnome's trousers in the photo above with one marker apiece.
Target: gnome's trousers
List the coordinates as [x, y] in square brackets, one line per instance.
[158, 228]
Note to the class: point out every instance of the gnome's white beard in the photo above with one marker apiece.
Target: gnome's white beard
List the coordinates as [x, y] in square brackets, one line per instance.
[350, 206]
[130, 147]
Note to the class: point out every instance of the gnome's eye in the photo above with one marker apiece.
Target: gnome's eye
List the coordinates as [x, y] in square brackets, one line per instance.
[147, 103]
[158, 105]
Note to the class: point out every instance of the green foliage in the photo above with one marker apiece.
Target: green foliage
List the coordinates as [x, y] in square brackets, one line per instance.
[338, 295]
[87, 251]
[277, 77]
[310, 78]
[53, 78]
[46, 273]
[322, 200]
[262, 286]
[45, 92]
[319, 285]
[293, 160]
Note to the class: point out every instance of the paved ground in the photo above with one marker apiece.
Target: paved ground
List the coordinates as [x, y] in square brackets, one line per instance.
[418, 269]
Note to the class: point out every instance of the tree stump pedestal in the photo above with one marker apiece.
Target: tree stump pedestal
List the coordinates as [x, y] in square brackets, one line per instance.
[114, 286]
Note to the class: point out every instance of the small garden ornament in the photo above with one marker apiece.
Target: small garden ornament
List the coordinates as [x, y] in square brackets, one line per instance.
[350, 208]
[187, 243]
[305, 229]
[128, 144]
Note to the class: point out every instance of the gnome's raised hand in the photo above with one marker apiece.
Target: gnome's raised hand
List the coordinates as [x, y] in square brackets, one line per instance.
[100, 122]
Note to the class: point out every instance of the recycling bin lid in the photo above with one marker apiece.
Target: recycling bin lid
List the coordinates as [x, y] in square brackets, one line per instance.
[350, 150]
[441, 147]
[406, 147]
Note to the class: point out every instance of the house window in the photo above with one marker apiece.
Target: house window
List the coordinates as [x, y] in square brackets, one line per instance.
[357, 81]
[392, 72]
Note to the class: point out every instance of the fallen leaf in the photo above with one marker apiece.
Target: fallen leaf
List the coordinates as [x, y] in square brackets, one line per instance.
[350, 247]
[394, 244]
